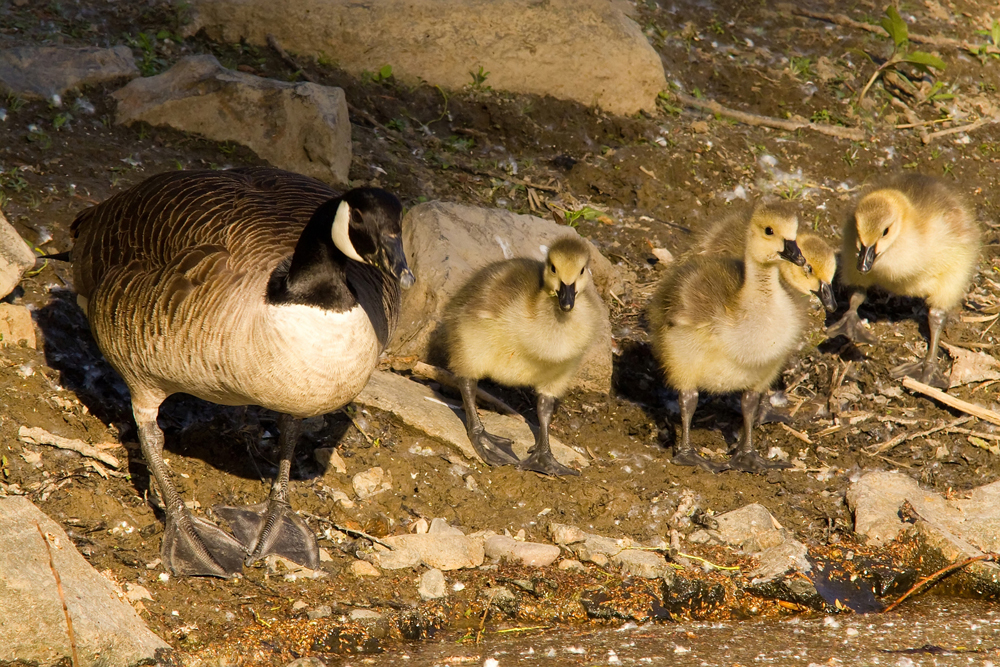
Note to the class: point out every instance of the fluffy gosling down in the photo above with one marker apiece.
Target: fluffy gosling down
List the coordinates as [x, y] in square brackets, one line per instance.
[721, 324]
[913, 236]
[523, 322]
[249, 286]
[728, 236]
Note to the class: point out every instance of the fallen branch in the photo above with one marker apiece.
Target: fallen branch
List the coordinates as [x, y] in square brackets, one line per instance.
[362, 534]
[937, 576]
[272, 41]
[797, 434]
[969, 127]
[977, 411]
[889, 444]
[446, 377]
[62, 597]
[844, 20]
[851, 133]
[39, 436]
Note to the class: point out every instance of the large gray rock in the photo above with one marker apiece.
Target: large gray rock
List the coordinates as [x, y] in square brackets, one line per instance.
[302, 127]
[41, 72]
[583, 50]
[422, 408]
[446, 243]
[16, 257]
[33, 629]
[751, 528]
[532, 554]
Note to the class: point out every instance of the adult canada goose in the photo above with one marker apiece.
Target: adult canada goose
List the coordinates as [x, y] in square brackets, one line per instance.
[913, 236]
[522, 322]
[720, 324]
[728, 236]
[249, 286]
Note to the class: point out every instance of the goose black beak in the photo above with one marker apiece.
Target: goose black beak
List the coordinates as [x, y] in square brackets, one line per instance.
[866, 257]
[396, 263]
[825, 293]
[567, 296]
[792, 253]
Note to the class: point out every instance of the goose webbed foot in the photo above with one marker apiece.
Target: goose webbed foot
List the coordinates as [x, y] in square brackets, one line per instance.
[850, 325]
[541, 460]
[753, 462]
[195, 547]
[688, 457]
[928, 372]
[272, 528]
[493, 449]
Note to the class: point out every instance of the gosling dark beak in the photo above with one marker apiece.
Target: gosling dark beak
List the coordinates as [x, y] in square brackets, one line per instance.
[567, 296]
[395, 260]
[792, 253]
[866, 257]
[825, 293]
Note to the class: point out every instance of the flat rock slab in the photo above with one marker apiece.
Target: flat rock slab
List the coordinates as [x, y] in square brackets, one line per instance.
[751, 528]
[446, 243]
[16, 326]
[443, 552]
[423, 409]
[41, 72]
[302, 127]
[532, 554]
[954, 529]
[588, 51]
[107, 630]
[16, 257]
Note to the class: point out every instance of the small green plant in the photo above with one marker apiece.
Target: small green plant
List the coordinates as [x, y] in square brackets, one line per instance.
[60, 120]
[947, 168]
[991, 49]
[586, 213]
[383, 74]
[396, 124]
[227, 147]
[895, 27]
[821, 116]
[459, 144]
[149, 62]
[479, 78]
[800, 67]
[791, 191]
[325, 60]
[664, 100]
[39, 137]
[12, 180]
[15, 103]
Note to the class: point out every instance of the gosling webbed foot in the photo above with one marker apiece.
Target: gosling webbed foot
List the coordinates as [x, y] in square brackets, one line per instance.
[753, 462]
[689, 457]
[773, 414]
[196, 547]
[850, 325]
[272, 528]
[925, 371]
[493, 449]
[541, 460]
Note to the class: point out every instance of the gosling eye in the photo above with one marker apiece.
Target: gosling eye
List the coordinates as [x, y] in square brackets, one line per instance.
[552, 268]
[769, 231]
[582, 270]
[885, 231]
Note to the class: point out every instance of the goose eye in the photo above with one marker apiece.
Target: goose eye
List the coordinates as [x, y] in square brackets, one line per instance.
[769, 231]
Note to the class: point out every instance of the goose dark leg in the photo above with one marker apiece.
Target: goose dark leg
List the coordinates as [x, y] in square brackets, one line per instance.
[746, 458]
[191, 546]
[927, 370]
[684, 454]
[492, 449]
[273, 527]
[850, 324]
[540, 457]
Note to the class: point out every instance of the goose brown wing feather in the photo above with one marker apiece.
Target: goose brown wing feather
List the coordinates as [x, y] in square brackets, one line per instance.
[254, 214]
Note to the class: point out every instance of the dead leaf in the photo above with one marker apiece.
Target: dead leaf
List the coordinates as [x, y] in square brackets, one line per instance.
[971, 366]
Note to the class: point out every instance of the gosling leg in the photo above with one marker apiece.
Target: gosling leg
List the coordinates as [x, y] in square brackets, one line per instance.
[850, 324]
[540, 457]
[684, 454]
[191, 546]
[746, 457]
[492, 449]
[273, 527]
[928, 370]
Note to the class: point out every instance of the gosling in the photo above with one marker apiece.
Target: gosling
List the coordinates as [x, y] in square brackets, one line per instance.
[522, 322]
[720, 324]
[913, 236]
[248, 286]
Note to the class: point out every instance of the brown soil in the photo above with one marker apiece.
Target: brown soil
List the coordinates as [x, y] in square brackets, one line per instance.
[656, 176]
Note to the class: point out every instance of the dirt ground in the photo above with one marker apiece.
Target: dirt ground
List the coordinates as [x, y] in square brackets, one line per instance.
[654, 178]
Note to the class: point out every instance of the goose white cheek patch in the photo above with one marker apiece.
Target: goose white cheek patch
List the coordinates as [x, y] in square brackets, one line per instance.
[341, 238]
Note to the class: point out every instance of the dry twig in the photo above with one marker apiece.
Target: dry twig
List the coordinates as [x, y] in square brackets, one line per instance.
[937, 576]
[844, 20]
[446, 377]
[62, 597]
[950, 427]
[291, 62]
[973, 409]
[39, 436]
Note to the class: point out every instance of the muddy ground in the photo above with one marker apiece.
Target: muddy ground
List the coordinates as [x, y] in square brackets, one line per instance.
[655, 177]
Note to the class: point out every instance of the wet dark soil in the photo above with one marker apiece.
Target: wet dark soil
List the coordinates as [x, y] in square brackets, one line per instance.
[654, 178]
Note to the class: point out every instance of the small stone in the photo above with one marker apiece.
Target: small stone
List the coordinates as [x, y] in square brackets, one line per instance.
[362, 568]
[533, 554]
[432, 585]
[600, 560]
[645, 564]
[699, 127]
[322, 611]
[135, 592]
[311, 661]
[419, 527]
[445, 552]
[371, 482]
[441, 527]
[751, 528]
[571, 565]
[329, 457]
[299, 605]
[364, 615]
[398, 558]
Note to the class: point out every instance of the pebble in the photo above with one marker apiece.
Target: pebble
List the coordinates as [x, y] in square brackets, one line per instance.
[322, 611]
[371, 482]
[432, 585]
[440, 527]
[362, 568]
[533, 554]
[571, 565]
[365, 615]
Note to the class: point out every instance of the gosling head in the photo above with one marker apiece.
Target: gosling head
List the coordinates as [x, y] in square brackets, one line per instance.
[366, 227]
[771, 236]
[565, 272]
[879, 220]
[821, 265]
